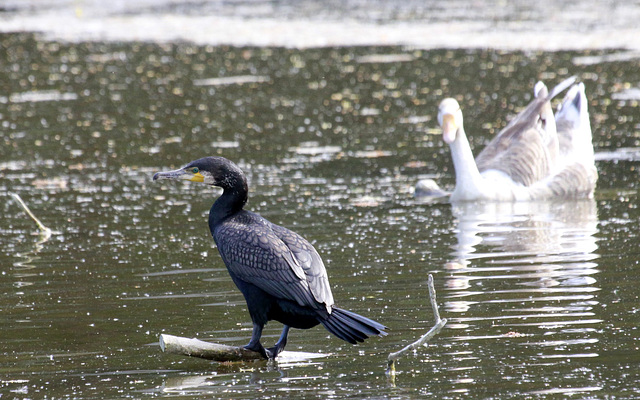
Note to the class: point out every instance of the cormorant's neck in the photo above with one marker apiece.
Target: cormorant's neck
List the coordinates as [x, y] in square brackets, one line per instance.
[229, 203]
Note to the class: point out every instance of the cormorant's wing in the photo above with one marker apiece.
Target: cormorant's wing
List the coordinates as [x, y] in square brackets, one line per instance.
[276, 260]
[306, 256]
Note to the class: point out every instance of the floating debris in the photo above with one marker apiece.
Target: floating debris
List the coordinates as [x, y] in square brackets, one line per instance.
[415, 164]
[38, 96]
[13, 165]
[150, 149]
[623, 153]
[513, 334]
[231, 80]
[384, 58]
[369, 111]
[314, 149]
[107, 57]
[172, 139]
[415, 119]
[372, 153]
[612, 57]
[225, 144]
[51, 183]
[43, 229]
[368, 201]
[627, 94]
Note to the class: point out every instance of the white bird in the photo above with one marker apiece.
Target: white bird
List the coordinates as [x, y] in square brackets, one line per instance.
[524, 161]
[572, 122]
[576, 174]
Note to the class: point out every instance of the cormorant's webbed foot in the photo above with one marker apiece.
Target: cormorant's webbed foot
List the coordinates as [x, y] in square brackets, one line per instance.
[277, 349]
[258, 348]
[254, 343]
[274, 351]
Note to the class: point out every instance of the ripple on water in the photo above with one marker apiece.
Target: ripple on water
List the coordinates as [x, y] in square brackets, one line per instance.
[524, 274]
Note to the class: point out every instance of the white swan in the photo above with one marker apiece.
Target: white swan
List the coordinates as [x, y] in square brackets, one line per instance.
[574, 128]
[576, 174]
[523, 162]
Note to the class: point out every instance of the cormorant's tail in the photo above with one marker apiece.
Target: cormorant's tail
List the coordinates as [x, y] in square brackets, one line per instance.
[351, 327]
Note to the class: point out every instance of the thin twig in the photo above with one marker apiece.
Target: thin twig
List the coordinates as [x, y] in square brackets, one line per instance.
[432, 298]
[438, 325]
[43, 229]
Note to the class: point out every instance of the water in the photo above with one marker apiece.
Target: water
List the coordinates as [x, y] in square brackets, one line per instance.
[514, 25]
[541, 298]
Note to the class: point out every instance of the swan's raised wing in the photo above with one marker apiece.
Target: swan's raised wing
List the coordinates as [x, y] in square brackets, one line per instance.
[527, 148]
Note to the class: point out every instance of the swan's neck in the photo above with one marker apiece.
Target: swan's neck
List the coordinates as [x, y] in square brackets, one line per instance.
[468, 178]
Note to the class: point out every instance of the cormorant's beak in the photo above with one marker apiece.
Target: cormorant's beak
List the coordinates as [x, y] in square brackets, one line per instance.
[449, 128]
[179, 174]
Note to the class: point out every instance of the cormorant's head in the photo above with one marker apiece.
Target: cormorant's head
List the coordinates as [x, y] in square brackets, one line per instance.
[450, 119]
[215, 171]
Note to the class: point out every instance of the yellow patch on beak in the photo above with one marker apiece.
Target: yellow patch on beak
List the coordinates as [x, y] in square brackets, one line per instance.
[197, 177]
[449, 128]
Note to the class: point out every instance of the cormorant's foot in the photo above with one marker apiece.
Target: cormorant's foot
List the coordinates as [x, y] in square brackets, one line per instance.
[271, 355]
[274, 351]
[266, 354]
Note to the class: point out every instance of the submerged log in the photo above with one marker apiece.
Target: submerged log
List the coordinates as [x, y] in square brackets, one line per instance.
[209, 351]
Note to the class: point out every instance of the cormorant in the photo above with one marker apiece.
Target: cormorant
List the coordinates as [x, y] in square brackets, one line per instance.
[280, 273]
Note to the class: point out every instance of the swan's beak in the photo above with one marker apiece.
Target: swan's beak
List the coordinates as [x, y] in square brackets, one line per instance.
[449, 128]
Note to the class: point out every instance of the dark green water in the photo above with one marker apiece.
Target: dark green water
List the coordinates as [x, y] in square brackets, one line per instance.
[542, 299]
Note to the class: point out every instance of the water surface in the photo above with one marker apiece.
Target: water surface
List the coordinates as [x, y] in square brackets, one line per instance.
[426, 24]
[542, 299]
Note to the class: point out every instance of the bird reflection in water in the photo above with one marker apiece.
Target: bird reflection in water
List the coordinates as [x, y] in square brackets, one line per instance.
[522, 249]
[523, 275]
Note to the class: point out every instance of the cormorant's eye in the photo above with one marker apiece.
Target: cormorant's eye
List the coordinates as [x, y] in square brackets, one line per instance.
[195, 170]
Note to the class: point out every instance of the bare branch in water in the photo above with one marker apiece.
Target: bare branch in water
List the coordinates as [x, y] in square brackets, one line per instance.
[43, 229]
[438, 325]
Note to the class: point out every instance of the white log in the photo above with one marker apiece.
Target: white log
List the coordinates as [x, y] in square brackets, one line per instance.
[209, 351]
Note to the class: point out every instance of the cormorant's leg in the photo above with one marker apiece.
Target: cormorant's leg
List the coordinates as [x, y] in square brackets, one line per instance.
[254, 343]
[277, 349]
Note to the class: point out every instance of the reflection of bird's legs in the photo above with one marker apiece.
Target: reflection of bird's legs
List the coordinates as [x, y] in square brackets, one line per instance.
[254, 343]
[277, 349]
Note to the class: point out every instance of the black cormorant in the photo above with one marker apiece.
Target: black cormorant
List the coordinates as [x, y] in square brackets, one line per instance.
[280, 273]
